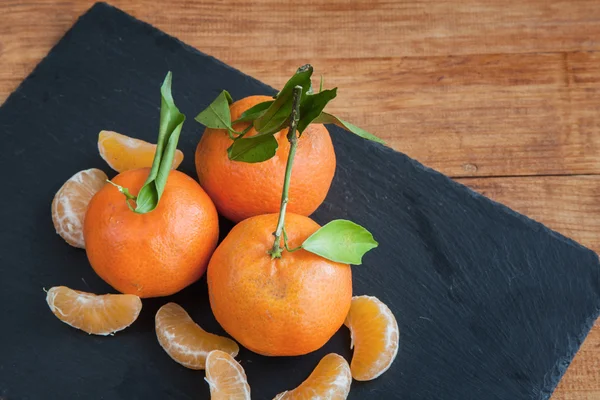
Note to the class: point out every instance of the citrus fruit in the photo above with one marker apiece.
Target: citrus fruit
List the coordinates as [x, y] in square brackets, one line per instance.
[94, 314]
[278, 307]
[374, 332]
[123, 153]
[255, 188]
[226, 378]
[184, 340]
[157, 253]
[330, 380]
[71, 202]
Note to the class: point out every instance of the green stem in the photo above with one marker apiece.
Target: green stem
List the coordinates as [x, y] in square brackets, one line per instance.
[285, 242]
[276, 250]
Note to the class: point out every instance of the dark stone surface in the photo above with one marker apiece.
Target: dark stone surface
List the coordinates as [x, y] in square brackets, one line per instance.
[491, 305]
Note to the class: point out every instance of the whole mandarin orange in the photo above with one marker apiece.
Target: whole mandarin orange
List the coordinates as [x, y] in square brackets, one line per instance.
[286, 306]
[241, 190]
[157, 253]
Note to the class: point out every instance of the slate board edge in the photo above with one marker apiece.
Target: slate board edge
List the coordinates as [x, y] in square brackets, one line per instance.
[561, 364]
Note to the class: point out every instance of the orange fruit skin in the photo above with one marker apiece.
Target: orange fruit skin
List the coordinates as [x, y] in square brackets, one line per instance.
[157, 253]
[282, 307]
[241, 190]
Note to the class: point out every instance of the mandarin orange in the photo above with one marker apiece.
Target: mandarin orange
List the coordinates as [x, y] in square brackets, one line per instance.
[375, 337]
[123, 153]
[241, 190]
[185, 341]
[157, 253]
[71, 202]
[94, 314]
[331, 380]
[278, 307]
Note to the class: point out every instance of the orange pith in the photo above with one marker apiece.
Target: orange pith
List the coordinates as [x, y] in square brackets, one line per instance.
[375, 337]
[123, 153]
[287, 306]
[71, 202]
[94, 314]
[330, 380]
[255, 189]
[226, 378]
[185, 341]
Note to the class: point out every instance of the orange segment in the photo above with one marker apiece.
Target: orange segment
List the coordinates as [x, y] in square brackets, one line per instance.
[374, 332]
[226, 378]
[71, 202]
[94, 314]
[123, 153]
[185, 341]
[330, 380]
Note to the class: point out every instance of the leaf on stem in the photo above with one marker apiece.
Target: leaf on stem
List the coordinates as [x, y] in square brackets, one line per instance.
[254, 112]
[341, 241]
[253, 149]
[171, 122]
[276, 116]
[312, 106]
[217, 115]
[326, 118]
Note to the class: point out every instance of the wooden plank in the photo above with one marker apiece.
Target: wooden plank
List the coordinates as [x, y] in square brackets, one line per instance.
[471, 115]
[571, 206]
[476, 115]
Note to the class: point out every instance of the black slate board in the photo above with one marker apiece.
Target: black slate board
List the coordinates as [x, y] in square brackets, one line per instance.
[491, 305]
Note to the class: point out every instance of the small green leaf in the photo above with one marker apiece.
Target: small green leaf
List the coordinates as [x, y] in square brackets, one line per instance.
[312, 106]
[326, 118]
[254, 149]
[171, 122]
[254, 112]
[275, 117]
[341, 241]
[217, 115]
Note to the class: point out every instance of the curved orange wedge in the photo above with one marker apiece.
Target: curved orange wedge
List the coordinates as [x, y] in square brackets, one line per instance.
[330, 380]
[184, 341]
[94, 314]
[123, 153]
[226, 378]
[375, 337]
[71, 202]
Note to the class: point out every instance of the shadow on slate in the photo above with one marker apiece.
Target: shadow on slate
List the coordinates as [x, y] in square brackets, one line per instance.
[491, 305]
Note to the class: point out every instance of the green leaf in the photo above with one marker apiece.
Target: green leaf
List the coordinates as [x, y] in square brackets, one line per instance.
[217, 115]
[341, 241]
[312, 106]
[275, 117]
[326, 118]
[254, 112]
[171, 122]
[254, 149]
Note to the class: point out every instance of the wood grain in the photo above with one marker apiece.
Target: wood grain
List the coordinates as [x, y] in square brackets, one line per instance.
[507, 89]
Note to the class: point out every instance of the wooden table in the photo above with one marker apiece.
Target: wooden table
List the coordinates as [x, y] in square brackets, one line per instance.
[502, 95]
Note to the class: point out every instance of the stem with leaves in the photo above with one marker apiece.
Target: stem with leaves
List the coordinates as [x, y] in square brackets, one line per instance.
[293, 139]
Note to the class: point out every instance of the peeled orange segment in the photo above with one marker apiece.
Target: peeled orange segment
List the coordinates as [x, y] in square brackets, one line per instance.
[330, 380]
[185, 341]
[94, 314]
[71, 202]
[226, 378]
[123, 153]
[374, 332]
